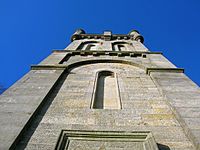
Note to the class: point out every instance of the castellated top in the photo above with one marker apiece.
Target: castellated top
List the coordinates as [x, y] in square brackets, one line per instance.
[107, 41]
[103, 91]
[107, 35]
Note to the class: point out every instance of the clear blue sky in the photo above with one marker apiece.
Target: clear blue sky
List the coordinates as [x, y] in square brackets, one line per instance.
[30, 29]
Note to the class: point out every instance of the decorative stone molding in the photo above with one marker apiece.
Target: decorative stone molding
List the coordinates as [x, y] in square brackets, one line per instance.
[107, 36]
[174, 70]
[48, 67]
[102, 52]
[137, 139]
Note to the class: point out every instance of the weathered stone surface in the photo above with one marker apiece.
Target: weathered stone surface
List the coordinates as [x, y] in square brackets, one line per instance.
[58, 95]
[54, 58]
[143, 108]
[19, 102]
[184, 97]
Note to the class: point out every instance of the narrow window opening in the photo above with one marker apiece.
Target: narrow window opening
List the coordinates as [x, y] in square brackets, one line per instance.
[121, 47]
[90, 47]
[106, 93]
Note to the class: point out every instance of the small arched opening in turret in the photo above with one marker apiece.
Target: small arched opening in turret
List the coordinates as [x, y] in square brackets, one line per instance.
[122, 46]
[89, 45]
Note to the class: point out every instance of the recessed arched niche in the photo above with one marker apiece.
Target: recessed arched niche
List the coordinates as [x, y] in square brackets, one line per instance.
[106, 91]
[88, 45]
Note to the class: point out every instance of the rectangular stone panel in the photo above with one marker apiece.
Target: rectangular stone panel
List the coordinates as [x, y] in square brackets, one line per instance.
[89, 140]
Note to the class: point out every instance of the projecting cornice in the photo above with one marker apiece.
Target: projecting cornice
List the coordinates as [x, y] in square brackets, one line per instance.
[107, 35]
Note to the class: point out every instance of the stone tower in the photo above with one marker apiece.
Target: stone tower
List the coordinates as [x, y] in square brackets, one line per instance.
[104, 91]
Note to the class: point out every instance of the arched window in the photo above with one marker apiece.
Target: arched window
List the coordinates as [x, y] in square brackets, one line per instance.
[122, 46]
[106, 91]
[88, 45]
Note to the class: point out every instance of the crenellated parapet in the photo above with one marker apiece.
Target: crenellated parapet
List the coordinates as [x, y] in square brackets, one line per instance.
[107, 36]
[107, 41]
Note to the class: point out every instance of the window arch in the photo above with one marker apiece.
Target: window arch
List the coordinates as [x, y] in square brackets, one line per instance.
[121, 46]
[106, 91]
[88, 45]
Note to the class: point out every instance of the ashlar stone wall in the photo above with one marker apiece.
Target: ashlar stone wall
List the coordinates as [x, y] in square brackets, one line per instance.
[143, 108]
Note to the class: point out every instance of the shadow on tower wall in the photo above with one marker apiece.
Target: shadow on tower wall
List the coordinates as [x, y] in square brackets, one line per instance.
[41, 111]
[163, 147]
